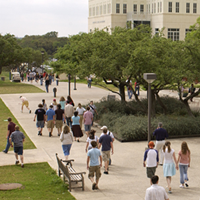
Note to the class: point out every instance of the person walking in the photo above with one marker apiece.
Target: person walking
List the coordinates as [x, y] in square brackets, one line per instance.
[40, 113]
[93, 109]
[44, 105]
[66, 138]
[129, 89]
[76, 129]
[191, 91]
[70, 100]
[54, 104]
[111, 135]
[11, 128]
[161, 134]
[151, 159]
[92, 137]
[184, 163]
[59, 118]
[156, 192]
[17, 138]
[69, 112]
[87, 120]
[47, 83]
[106, 142]
[50, 118]
[80, 110]
[169, 169]
[41, 79]
[62, 103]
[57, 79]
[24, 103]
[93, 157]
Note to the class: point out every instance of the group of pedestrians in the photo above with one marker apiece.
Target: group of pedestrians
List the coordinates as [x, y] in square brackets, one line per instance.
[164, 152]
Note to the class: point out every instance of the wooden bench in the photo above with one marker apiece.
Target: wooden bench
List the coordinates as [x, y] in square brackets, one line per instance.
[69, 174]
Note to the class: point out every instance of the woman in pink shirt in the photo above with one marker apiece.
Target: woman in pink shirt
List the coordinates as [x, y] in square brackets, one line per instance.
[184, 163]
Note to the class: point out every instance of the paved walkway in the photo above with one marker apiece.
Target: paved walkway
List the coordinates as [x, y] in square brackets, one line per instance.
[127, 177]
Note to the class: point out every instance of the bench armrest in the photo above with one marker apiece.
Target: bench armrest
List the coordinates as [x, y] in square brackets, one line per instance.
[67, 160]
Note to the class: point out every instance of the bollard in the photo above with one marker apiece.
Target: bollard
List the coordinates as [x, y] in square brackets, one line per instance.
[54, 91]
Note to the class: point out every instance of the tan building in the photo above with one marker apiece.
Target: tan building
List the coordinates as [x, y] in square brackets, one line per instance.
[175, 15]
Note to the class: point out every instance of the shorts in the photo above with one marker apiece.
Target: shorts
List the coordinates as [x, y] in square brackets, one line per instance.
[106, 155]
[25, 103]
[40, 124]
[66, 149]
[50, 124]
[96, 170]
[151, 171]
[87, 127]
[59, 123]
[18, 150]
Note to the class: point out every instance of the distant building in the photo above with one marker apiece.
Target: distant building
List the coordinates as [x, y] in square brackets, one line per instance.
[175, 15]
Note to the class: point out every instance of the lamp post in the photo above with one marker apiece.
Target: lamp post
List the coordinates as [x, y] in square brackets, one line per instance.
[75, 82]
[42, 52]
[69, 80]
[149, 77]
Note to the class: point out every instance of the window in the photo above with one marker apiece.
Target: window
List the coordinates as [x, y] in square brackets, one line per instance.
[161, 6]
[173, 34]
[109, 8]
[93, 11]
[100, 10]
[170, 7]
[194, 7]
[135, 8]
[97, 10]
[187, 7]
[154, 7]
[124, 8]
[187, 31]
[158, 7]
[104, 9]
[90, 12]
[117, 8]
[141, 8]
[177, 7]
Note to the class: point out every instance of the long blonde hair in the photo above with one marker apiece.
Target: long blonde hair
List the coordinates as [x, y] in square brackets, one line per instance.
[66, 129]
[184, 148]
[167, 144]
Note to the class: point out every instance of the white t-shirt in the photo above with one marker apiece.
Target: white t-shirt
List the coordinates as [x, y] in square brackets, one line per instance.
[24, 99]
[156, 192]
[80, 110]
[168, 156]
[108, 133]
[90, 140]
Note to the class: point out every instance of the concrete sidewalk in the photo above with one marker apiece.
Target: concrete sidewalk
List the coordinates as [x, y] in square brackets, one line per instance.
[127, 176]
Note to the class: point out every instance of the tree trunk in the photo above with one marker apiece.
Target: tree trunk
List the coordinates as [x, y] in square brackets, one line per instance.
[185, 102]
[122, 92]
[161, 103]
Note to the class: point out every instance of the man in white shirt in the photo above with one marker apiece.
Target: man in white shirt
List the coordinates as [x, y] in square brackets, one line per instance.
[24, 103]
[155, 192]
[69, 112]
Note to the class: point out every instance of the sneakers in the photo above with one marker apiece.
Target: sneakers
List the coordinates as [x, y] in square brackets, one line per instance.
[93, 186]
[181, 186]
[17, 162]
[39, 132]
[186, 184]
[22, 166]
[50, 134]
[58, 134]
[4, 151]
[30, 111]
[105, 172]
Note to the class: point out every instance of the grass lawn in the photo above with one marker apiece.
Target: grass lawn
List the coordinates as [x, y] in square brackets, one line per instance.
[4, 114]
[7, 87]
[39, 181]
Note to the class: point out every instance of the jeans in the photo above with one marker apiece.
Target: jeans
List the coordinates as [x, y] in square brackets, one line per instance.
[137, 89]
[41, 81]
[183, 173]
[69, 122]
[47, 88]
[130, 93]
[89, 83]
[7, 146]
[56, 82]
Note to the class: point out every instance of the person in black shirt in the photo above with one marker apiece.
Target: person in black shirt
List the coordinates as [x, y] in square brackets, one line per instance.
[161, 134]
[40, 113]
[59, 118]
[47, 83]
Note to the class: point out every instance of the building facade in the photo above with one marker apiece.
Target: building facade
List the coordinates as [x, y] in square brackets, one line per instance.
[176, 16]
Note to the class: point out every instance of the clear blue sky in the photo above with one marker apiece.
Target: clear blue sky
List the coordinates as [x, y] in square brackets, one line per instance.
[37, 17]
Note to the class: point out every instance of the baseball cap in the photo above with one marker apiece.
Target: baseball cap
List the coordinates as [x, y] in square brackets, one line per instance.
[104, 127]
[151, 144]
[54, 99]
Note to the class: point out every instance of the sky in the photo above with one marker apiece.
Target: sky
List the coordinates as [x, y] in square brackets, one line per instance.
[38, 17]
